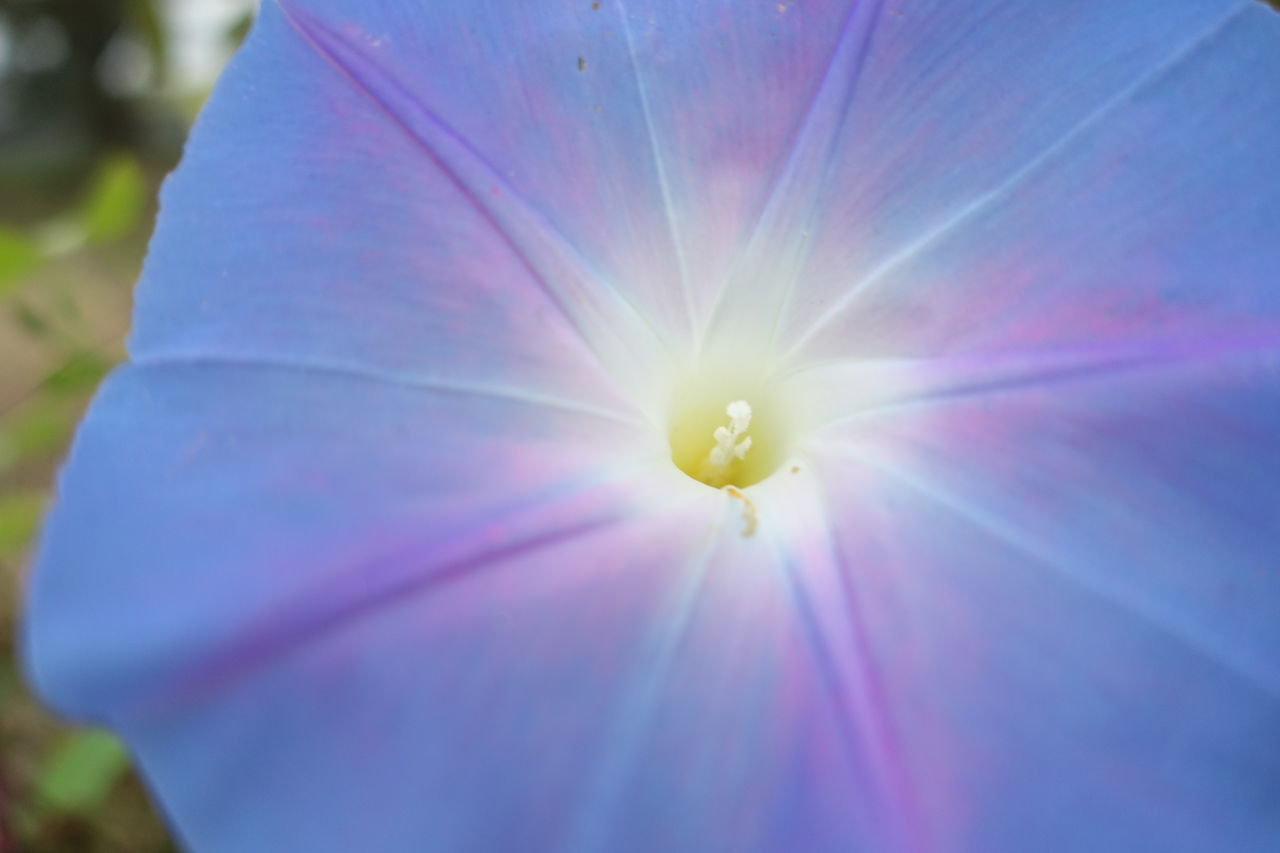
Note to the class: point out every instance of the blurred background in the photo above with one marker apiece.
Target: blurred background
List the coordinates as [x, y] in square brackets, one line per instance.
[96, 97]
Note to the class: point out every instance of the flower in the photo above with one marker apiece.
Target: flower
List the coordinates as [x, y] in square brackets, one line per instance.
[417, 518]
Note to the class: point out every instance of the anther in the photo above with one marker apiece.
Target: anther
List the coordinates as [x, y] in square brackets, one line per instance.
[731, 443]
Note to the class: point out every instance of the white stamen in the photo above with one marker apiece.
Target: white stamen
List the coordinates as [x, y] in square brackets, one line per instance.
[730, 442]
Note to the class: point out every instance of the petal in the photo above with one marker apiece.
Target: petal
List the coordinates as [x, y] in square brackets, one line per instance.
[1130, 200]
[1074, 584]
[307, 227]
[213, 511]
[313, 645]
[354, 552]
[622, 188]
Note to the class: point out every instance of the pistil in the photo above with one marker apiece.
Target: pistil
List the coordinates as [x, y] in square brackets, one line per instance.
[731, 444]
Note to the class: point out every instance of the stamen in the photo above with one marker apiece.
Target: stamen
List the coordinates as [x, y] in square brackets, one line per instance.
[731, 444]
[719, 439]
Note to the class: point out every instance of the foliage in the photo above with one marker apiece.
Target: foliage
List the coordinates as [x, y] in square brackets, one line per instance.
[78, 170]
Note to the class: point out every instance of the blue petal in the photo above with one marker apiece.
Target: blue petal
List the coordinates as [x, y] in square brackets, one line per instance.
[1117, 188]
[355, 552]
[212, 511]
[1073, 591]
[316, 643]
[405, 132]
[306, 226]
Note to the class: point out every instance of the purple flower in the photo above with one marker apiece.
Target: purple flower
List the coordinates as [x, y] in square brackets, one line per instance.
[717, 425]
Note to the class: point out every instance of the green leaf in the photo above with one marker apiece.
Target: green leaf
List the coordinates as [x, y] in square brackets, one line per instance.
[239, 31]
[79, 374]
[19, 517]
[82, 771]
[18, 256]
[147, 21]
[31, 320]
[38, 430]
[115, 201]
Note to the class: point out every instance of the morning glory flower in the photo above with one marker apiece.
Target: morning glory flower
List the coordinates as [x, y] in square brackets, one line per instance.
[717, 426]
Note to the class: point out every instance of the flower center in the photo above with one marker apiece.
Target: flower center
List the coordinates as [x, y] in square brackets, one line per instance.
[726, 430]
